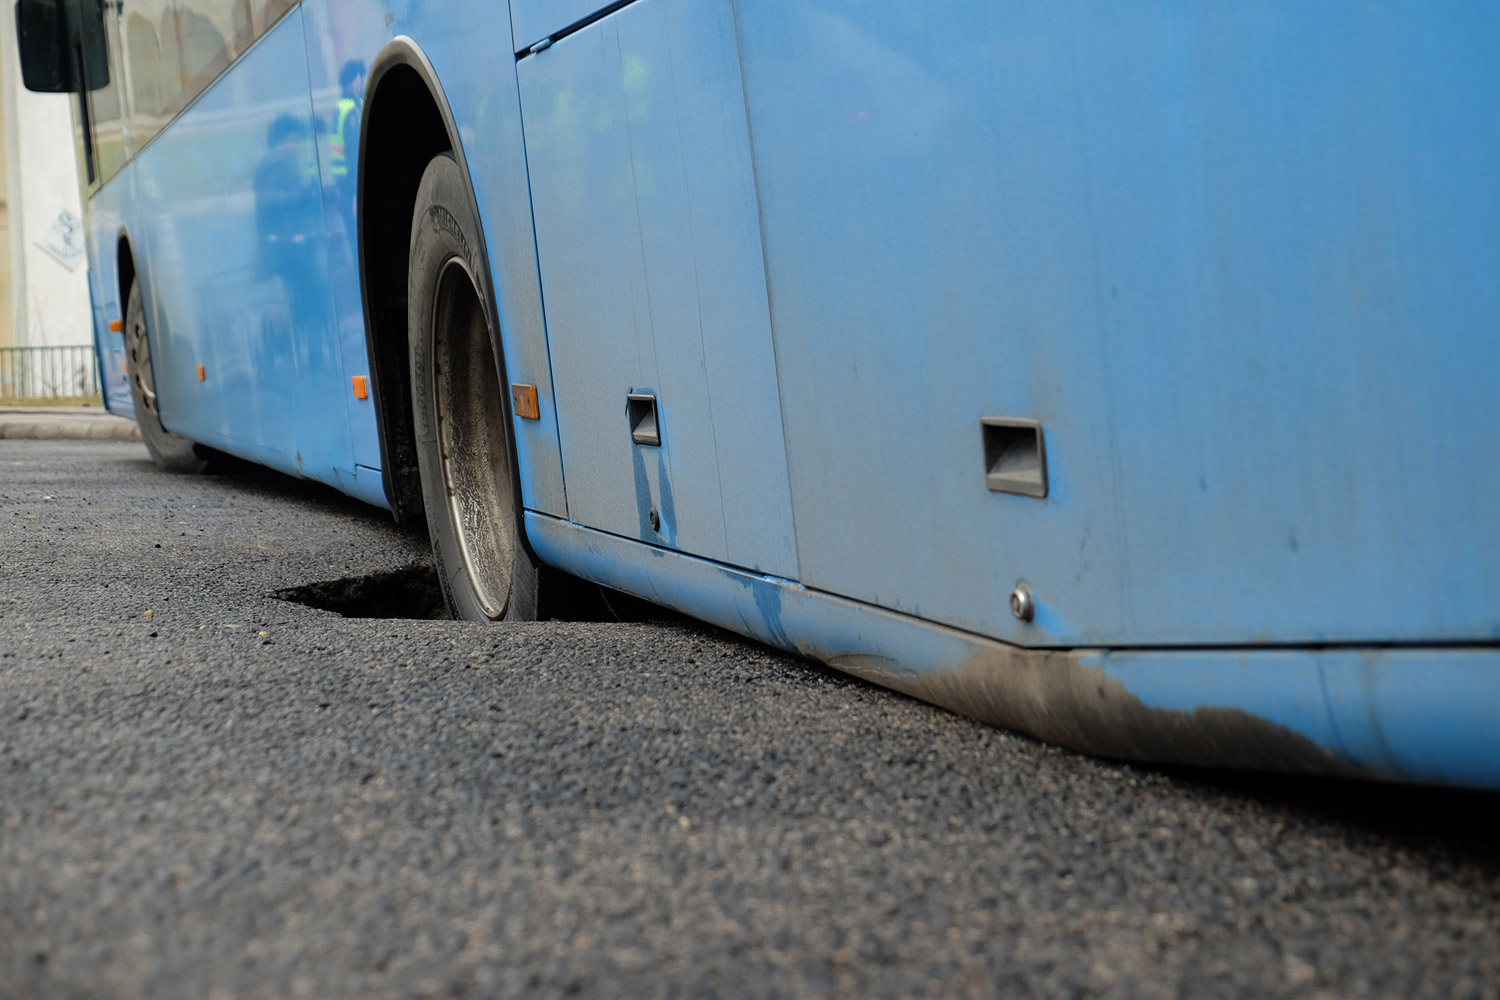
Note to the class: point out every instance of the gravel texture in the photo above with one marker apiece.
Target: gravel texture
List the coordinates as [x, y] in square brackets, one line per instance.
[207, 792]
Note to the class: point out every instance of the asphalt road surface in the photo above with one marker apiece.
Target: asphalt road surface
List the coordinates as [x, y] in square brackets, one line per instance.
[206, 791]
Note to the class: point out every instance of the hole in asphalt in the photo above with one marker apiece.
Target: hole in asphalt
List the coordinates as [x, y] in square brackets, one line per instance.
[414, 592]
[410, 592]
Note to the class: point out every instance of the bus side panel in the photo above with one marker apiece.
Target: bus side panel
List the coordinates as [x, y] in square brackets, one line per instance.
[649, 242]
[468, 43]
[535, 19]
[103, 217]
[348, 34]
[1412, 714]
[1239, 260]
[236, 259]
[109, 346]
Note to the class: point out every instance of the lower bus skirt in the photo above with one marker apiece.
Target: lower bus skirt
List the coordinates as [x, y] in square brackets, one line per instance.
[1418, 714]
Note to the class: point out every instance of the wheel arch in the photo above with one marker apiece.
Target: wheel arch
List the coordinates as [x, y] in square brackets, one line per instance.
[406, 122]
[125, 267]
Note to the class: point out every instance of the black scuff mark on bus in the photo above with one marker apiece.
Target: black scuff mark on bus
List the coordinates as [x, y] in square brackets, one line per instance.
[1059, 697]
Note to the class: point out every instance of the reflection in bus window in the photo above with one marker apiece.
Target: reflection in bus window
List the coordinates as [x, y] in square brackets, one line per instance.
[204, 49]
[106, 114]
[175, 48]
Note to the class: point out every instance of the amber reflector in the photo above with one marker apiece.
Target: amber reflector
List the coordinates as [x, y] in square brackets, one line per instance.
[524, 397]
[360, 392]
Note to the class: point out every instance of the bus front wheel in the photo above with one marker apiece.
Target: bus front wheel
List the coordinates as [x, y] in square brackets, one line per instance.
[460, 416]
[171, 452]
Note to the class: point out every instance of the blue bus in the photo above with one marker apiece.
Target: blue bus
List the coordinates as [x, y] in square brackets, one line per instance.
[1125, 374]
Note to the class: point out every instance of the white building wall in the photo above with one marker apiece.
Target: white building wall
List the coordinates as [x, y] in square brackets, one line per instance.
[50, 302]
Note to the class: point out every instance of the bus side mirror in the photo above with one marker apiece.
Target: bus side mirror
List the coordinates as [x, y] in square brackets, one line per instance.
[42, 37]
[62, 44]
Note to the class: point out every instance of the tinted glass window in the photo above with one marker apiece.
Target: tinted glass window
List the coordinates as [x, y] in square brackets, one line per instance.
[173, 49]
[106, 112]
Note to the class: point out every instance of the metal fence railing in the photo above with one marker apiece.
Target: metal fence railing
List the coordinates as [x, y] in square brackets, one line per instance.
[41, 373]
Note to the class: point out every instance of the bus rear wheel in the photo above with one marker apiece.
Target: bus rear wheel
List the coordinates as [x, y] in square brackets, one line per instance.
[460, 416]
[171, 452]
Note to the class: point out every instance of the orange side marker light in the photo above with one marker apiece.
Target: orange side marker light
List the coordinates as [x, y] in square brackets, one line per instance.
[116, 326]
[360, 391]
[201, 376]
[523, 396]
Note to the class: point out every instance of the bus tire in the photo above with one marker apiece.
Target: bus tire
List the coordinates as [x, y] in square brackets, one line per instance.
[171, 452]
[460, 416]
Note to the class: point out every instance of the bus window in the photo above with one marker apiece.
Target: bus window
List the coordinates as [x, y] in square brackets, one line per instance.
[105, 111]
[175, 48]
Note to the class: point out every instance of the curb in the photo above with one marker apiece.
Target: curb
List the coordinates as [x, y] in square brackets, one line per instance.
[66, 427]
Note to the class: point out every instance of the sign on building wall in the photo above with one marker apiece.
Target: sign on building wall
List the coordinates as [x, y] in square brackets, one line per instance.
[49, 289]
[63, 240]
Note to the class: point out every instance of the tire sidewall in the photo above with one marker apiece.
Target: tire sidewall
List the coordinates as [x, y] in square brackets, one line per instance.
[445, 226]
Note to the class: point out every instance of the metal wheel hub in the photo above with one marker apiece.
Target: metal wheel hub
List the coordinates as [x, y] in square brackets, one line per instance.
[472, 437]
[138, 350]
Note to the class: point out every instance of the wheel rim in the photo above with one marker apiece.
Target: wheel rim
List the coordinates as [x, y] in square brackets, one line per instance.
[472, 438]
[138, 349]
